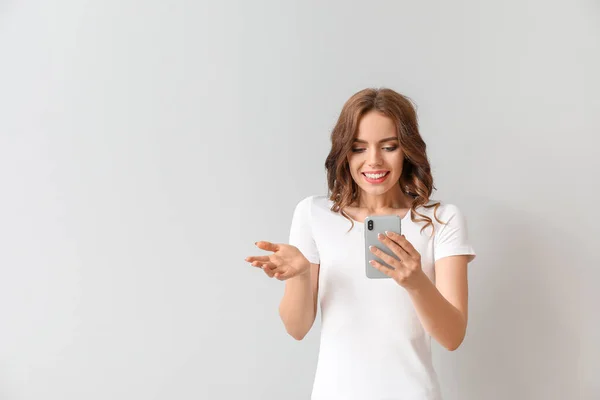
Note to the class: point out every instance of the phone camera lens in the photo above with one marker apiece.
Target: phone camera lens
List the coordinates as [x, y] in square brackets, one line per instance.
[370, 225]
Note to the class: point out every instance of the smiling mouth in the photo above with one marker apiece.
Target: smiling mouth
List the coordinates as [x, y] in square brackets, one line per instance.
[376, 176]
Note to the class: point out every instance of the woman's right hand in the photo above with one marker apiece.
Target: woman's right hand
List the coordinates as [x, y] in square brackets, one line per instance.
[286, 261]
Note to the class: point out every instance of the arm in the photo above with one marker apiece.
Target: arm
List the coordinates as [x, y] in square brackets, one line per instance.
[298, 307]
[443, 308]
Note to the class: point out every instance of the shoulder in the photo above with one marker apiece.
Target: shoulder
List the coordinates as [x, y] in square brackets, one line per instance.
[446, 210]
[314, 201]
[444, 216]
[442, 209]
[313, 208]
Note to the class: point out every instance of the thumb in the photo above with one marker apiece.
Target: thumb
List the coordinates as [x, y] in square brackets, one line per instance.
[264, 245]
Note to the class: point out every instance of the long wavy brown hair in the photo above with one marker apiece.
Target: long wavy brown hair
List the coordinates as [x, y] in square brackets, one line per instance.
[416, 179]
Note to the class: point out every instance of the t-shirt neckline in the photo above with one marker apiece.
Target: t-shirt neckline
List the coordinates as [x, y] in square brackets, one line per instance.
[362, 223]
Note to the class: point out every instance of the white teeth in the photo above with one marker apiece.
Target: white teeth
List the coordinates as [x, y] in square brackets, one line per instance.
[375, 176]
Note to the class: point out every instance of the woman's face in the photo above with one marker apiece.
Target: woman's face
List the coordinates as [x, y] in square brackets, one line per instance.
[376, 158]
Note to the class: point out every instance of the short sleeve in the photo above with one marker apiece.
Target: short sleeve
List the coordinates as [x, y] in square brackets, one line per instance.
[452, 239]
[301, 234]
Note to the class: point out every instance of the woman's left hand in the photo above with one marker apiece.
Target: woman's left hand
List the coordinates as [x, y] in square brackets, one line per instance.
[407, 272]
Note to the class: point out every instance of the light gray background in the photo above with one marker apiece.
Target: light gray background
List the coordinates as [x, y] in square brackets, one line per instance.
[145, 146]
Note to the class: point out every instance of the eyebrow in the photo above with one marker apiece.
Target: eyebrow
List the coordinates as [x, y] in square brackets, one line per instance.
[381, 141]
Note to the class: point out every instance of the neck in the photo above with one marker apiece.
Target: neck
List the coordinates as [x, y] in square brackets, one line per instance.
[393, 198]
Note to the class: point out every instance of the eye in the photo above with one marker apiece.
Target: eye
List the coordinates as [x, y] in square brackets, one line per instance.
[358, 150]
[390, 148]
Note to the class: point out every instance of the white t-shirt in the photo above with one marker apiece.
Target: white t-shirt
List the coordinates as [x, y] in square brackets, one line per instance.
[373, 346]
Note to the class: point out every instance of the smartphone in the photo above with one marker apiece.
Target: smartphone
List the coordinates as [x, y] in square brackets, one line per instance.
[374, 225]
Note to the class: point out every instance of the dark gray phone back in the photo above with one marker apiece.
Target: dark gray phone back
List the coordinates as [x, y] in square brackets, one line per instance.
[379, 224]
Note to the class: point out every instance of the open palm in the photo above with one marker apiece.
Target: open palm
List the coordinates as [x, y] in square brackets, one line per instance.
[285, 262]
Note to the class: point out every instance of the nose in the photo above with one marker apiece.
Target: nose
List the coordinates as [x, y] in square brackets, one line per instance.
[374, 159]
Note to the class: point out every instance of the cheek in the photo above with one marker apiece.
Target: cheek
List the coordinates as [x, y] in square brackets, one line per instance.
[397, 160]
[353, 163]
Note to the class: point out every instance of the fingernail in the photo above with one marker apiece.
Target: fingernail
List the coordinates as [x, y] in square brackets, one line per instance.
[388, 233]
[380, 236]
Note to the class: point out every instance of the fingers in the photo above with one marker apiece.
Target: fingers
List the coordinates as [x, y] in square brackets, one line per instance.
[268, 246]
[260, 259]
[382, 268]
[385, 257]
[268, 267]
[272, 270]
[394, 246]
[402, 242]
[260, 264]
[270, 273]
[267, 263]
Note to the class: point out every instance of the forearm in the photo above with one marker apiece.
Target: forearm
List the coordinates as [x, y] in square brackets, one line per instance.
[444, 322]
[296, 308]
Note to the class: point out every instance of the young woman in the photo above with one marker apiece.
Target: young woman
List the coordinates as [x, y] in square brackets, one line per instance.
[375, 333]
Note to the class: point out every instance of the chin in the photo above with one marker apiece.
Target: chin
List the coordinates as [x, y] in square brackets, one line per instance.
[376, 190]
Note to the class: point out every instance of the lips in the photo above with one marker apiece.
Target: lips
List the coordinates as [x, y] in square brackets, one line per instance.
[376, 180]
[381, 171]
[376, 172]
